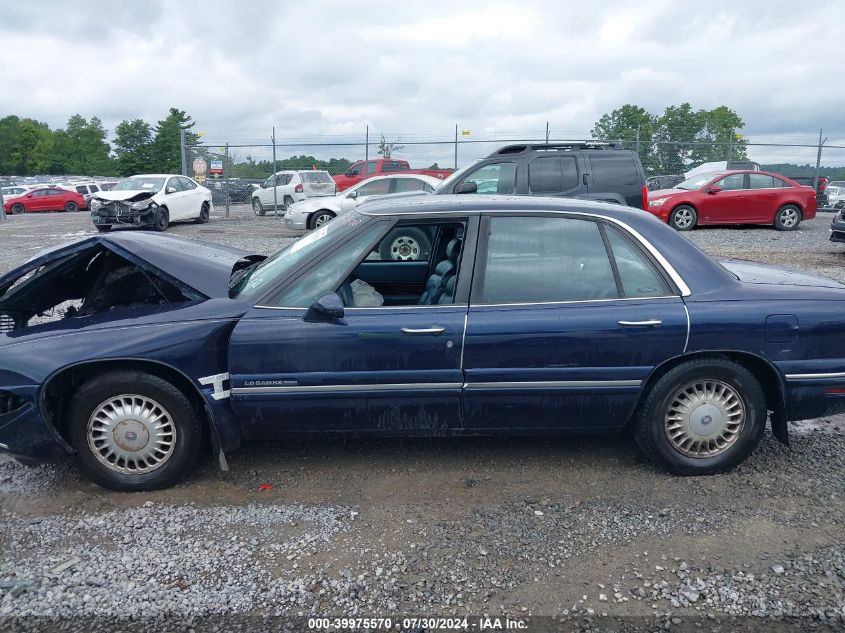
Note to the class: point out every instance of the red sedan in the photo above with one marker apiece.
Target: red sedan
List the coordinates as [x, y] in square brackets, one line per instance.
[734, 197]
[45, 199]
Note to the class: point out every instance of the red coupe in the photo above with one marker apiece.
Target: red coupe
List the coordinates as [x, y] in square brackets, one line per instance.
[45, 199]
[734, 197]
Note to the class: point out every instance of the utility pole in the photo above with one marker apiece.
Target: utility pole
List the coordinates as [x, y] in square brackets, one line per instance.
[275, 200]
[818, 161]
[183, 141]
[547, 132]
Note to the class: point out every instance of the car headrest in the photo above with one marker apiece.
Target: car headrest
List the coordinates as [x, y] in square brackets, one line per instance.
[453, 250]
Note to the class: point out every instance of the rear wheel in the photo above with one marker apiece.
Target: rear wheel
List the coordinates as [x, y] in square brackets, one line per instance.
[787, 218]
[18, 208]
[683, 218]
[162, 219]
[319, 218]
[702, 417]
[257, 207]
[286, 202]
[406, 245]
[133, 431]
[71, 206]
[204, 214]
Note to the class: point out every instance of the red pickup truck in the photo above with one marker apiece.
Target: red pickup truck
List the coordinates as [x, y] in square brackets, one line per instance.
[361, 170]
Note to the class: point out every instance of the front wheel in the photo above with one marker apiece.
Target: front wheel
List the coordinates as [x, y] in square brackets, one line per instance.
[319, 219]
[133, 431]
[204, 214]
[405, 245]
[702, 417]
[683, 218]
[257, 207]
[787, 218]
[161, 220]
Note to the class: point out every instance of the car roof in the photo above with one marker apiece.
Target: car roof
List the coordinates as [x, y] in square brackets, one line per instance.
[154, 176]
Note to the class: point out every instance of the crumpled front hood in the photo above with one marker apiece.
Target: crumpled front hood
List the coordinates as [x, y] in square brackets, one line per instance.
[129, 195]
[754, 273]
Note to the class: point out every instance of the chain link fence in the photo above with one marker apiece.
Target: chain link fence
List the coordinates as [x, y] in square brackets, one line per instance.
[232, 168]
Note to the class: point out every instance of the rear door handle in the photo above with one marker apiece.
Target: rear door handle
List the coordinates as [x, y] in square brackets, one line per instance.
[425, 330]
[646, 323]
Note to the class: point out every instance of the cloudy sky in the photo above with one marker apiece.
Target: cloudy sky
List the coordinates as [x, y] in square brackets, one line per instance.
[315, 68]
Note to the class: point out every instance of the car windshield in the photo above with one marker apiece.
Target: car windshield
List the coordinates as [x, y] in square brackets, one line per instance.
[697, 181]
[315, 176]
[259, 278]
[139, 183]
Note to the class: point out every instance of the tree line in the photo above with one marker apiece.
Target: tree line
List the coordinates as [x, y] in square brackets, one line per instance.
[30, 147]
[678, 139]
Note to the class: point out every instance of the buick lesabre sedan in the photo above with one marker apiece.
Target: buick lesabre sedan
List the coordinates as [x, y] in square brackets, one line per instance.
[529, 315]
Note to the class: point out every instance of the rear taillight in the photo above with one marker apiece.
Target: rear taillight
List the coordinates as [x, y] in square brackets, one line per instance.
[822, 185]
[645, 197]
[299, 189]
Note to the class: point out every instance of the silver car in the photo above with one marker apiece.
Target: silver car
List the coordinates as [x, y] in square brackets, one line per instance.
[314, 212]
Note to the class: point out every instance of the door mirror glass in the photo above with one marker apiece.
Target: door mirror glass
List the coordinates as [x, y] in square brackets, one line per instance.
[327, 308]
[469, 186]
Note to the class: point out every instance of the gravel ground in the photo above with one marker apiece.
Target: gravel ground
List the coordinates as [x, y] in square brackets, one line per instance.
[577, 530]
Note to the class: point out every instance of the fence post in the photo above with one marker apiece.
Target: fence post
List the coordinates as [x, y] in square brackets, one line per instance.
[2, 208]
[456, 147]
[275, 201]
[731, 146]
[183, 149]
[366, 150]
[818, 162]
[226, 176]
[547, 132]
[638, 139]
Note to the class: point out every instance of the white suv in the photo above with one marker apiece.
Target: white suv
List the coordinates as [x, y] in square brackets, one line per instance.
[291, 186]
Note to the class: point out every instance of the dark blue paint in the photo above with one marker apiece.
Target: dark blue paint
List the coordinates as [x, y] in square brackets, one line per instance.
[789, 322]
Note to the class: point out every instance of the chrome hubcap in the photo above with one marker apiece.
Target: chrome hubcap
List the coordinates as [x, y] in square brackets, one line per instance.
[683, 218]
[131, 434]
[322, 219]
[704, 419]
[405, 249]
[789, 217]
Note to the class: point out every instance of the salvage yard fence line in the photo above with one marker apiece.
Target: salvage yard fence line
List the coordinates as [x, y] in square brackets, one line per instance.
[254, 160]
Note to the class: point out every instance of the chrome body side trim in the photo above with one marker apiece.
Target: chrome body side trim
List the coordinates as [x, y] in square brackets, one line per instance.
[830, 376]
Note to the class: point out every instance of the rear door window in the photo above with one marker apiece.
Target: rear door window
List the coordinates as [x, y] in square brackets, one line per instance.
[552, 175]
[412, 184]
[762, 181]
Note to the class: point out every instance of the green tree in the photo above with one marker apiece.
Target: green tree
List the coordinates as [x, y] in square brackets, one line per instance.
[677, 132]
[167, 150]
[133, 146]
[86, 147]
[632, 125]
[718, 136]
[26, 146]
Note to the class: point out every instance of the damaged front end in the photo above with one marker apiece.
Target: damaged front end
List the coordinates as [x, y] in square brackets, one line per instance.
[137, 210]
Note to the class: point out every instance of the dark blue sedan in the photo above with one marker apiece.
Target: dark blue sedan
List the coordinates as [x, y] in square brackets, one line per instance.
[526, 316]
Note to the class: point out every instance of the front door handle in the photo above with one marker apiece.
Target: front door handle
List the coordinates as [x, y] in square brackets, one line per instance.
[426, 330]
[646, 323]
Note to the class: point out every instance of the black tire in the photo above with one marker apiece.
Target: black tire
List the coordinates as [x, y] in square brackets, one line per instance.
[787, 218]
[257, 207]
[186, 440]
[286, 202]
[405, 244]
[161, 220]
[650, 421]
[683, 218]
[319, 218]
[103, 228]
[71, 207]
[204, 214]
[18, 208]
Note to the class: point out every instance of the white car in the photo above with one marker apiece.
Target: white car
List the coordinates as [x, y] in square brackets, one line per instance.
[152, 200]
[85, 189]
[13, 191]
[291, 186]
[315, 212]
[835, 194]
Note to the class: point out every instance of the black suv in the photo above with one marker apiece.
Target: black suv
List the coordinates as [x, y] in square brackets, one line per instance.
[591, 170]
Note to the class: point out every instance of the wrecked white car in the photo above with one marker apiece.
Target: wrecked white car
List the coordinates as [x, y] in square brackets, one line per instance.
[151, 200]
